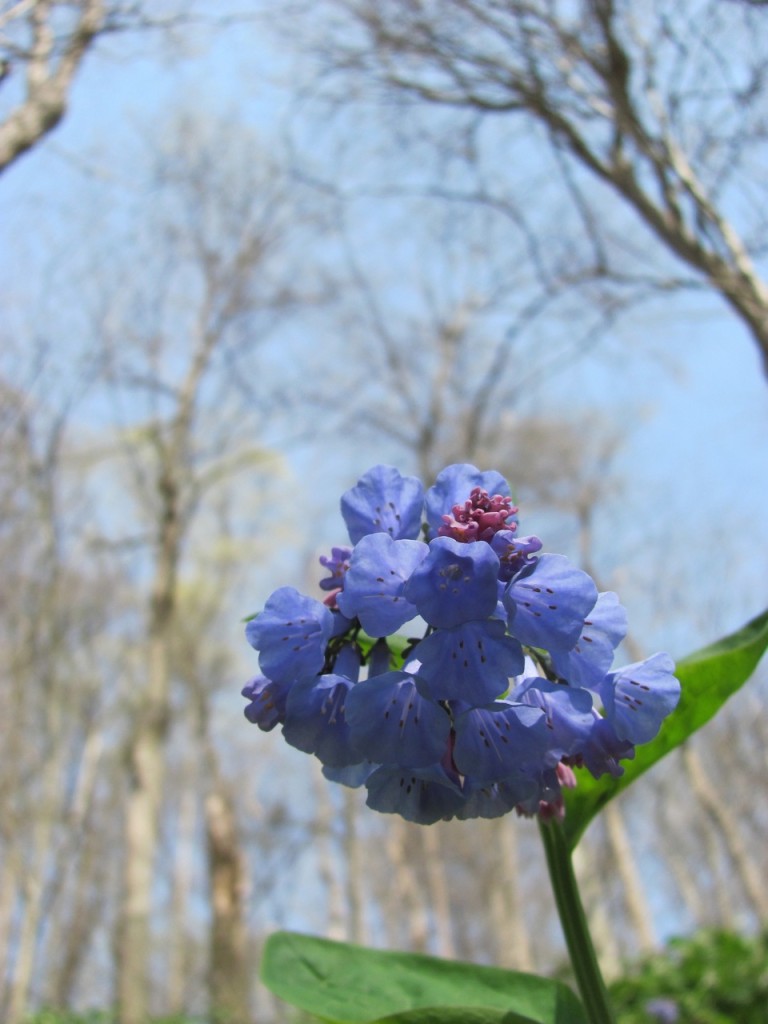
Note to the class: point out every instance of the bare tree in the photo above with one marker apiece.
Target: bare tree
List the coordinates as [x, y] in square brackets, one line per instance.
[52, 731]
[452, 370]
[44, 45]
[201, 663]
[208, 278]
[727, 826]
[663, 108]
[45, 41]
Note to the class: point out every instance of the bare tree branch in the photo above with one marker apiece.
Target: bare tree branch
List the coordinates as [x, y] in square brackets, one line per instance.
[651, 107]
[50, 66]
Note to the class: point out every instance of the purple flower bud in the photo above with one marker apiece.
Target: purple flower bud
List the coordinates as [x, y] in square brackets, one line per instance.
[266, 707]
[453, 487]
[480, 517]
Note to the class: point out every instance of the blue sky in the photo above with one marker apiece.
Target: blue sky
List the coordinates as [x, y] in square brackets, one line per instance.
[683, 374]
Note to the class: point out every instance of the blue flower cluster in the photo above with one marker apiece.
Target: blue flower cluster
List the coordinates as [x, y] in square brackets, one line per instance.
[510, 686]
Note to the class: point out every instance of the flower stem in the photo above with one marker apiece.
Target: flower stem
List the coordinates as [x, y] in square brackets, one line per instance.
[574, 924]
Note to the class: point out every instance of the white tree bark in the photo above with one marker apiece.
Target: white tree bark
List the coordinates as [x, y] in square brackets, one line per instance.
[49, 67]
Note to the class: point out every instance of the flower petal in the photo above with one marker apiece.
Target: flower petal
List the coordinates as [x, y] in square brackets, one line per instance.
[422, 795]
[290, 635]
[455, 583]
[373, 586]
[603, 750]
[568, 711]
[352, 775]
[391, 723]
[588, 661]
[548, 603]
[493, 799]
[267, 702]
[315, 721]
[472, 662]
[499, 741]
[639, 697]
[383, 501]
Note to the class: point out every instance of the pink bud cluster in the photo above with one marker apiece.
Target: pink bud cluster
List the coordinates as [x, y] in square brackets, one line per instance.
[479, 518]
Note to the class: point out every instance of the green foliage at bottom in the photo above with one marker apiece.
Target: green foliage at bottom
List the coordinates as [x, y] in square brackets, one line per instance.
[713, 977]
[348, 984]
[50, 1016]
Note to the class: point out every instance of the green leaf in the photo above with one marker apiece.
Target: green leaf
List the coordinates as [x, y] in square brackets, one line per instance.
[352, 985]
[454, 1015]
[708, 678]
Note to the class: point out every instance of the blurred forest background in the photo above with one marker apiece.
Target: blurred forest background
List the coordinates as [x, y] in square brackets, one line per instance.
[251, 249]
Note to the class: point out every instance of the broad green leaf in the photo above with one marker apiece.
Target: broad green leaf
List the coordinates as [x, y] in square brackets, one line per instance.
[454, 1015]
[708, 678]
[351, 985]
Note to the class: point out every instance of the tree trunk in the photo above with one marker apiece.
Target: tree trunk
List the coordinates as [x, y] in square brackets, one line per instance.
[229, 969]
[74, 933]
[675, 856]
[355, 870]
[622, 855]
[405, 896]
[440, 904]
[603, 925]
[8, 879]
[512, 941]
[141, 840]
[82, 874]
[146, 758]
[178, 954]
[327, 857]
[749, 875]
[25, 946]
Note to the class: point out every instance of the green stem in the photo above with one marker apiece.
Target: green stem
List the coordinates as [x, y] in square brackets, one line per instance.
[574, 924]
